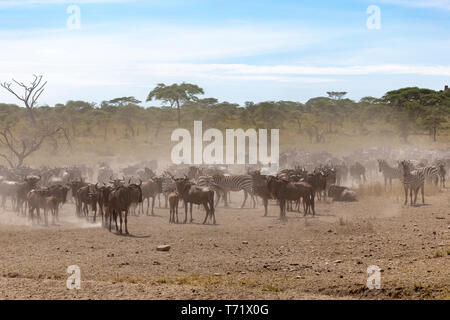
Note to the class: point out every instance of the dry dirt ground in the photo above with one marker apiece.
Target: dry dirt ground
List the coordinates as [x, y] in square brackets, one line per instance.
[244, 256]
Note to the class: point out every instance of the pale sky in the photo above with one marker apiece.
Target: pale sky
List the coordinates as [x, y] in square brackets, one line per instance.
[253, 50]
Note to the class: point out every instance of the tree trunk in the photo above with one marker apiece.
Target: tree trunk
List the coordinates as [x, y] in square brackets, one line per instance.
[20, 158]
[299, 123]
[179, 113]
[31, 113]
[158, 128]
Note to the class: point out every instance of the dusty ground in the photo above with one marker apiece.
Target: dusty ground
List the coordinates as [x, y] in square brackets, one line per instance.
[245, 256]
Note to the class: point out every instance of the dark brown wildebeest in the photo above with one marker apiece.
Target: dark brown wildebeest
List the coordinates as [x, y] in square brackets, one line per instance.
[8, 188]
[307, 194]
[29, 183]
[358, 171]
[193, 194]
[283, 190]
[341, 193]
[150, 189]
[174, 198]
[51, 204]
[102, 199]
[120, 200]
[136, 195]
[85, 197]
[36, 201]
[260, 188]
[76, 185]
[318, 181]
[60, 193]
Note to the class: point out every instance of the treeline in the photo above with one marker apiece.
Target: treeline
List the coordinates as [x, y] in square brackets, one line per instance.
[402, 112]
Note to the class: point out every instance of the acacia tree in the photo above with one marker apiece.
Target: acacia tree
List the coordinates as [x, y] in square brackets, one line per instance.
[336, 95]
[435, 120]
[413, 106]
[175, 95]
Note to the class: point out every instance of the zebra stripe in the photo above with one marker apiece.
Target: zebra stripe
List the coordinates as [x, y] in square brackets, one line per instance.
[430, 173]
[412, 180]
[234, 182]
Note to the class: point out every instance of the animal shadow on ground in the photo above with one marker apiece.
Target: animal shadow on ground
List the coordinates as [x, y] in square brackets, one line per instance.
[418, 205]
[132, 235]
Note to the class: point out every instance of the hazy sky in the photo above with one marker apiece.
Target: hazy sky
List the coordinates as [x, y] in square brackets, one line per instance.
[247, 50]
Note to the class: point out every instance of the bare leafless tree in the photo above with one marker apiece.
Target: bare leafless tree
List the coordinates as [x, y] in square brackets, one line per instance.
[32, 92]
[22, 140]
[21, 148]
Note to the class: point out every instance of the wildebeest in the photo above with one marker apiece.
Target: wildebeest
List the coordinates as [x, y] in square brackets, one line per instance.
[75, 185]
[9, 189]
[36, 201]
[136, 194]
[59, 192]
[318, 181]
[358, 172]
[120, 200]
[29, 183]
[102, 199]
[260, 188]
[86, 197]
[174, 198]
[341, 193]
[193, 194]
[51, 204]
[150, 189]
[283, 190]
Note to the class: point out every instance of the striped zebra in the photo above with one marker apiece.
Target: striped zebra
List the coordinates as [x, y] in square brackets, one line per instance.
[431, 174]
[442, 174]
[389, 173]
[168, 185]
[234, 183]
[412, 181]
[208, 181]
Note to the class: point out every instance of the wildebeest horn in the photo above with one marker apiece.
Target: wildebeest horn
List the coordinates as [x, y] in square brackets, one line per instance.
[140, 182]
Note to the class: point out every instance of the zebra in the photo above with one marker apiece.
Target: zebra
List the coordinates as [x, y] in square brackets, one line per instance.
[442, 174]
[208, 181]
[431, 174]
[168, 186]
[412, 180]
[389, 173]
[234, 183]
